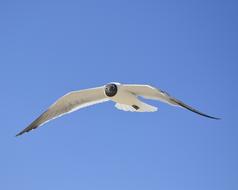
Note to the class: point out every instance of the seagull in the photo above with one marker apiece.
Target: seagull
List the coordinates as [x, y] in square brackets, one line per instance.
[126, 97]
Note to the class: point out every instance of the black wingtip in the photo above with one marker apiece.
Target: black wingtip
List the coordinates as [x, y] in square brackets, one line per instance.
[19, 134]
[216, 118]
[193, 110]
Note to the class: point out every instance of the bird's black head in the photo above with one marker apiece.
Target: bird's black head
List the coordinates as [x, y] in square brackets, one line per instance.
[111, 90]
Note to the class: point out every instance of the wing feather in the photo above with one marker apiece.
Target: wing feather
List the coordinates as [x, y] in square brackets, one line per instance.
[70, 102]
[150, 92]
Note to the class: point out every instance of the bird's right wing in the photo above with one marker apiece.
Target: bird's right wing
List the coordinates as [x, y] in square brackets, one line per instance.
[151, 92]
[70, 102]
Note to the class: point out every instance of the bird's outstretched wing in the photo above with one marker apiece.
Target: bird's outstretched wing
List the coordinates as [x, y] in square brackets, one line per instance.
[70, 102]
[150, 92]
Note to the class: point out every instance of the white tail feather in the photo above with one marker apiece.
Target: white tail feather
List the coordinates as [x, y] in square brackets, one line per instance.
[143, 107]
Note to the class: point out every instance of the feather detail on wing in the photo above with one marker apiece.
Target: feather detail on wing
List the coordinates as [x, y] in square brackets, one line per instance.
[150, 92]
[69, 103]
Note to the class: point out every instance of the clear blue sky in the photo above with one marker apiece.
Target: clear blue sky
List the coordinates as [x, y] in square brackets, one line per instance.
[188, 48]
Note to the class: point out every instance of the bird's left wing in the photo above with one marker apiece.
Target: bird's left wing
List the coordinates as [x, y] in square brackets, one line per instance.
[70, 102]
[151, 92]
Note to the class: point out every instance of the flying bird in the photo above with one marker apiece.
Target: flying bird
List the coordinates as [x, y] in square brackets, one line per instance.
[126, 97]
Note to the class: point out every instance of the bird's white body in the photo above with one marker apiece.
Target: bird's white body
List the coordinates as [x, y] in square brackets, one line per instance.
[125, 100]
[124, 95]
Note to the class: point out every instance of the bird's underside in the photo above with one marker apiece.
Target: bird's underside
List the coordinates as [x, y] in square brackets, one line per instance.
[142, 107]
[125, 97]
